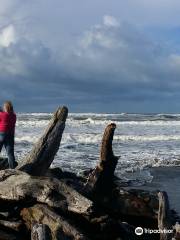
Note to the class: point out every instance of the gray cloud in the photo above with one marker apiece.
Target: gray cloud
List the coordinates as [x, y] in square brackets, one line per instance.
[110, 66]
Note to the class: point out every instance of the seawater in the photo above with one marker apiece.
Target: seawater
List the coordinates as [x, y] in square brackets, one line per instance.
[141, 140]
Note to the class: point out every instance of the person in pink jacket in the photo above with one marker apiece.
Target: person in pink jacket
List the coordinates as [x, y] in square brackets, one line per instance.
[7, 131]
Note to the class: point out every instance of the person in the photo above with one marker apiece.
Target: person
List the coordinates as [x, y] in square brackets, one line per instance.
[7, 131]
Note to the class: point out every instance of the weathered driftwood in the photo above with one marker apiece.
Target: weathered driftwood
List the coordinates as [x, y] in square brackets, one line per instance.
[41, 156]
[40, 232]
[99, 228]
[12, 225]
[164, 217]
[120, 201]
[17, 187]
[176, 228]
[59, 174]
[104, 227]
[100, 179]
[132, 202]
[60, 228]
[116, 200]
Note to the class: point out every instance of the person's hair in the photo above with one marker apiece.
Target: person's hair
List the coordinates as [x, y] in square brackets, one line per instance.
[8, 106]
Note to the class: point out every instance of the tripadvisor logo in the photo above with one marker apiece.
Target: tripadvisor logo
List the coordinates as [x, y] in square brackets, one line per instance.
[138, 231]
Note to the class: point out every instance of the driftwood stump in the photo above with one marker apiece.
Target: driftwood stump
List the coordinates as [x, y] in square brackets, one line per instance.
[41, 156]
[101, 178]
[164, 217]
[176, 231]
[40, 232]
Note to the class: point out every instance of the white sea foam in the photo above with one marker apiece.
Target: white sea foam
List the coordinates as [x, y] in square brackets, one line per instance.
[119, 123]
[26, 139]
[31, 123]
[147, 138]
[95, 138]
[151, 123]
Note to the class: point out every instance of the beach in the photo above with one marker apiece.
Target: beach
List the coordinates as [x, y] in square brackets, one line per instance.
[165, 179]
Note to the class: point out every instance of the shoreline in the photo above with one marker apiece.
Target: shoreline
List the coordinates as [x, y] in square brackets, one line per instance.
[165, 179]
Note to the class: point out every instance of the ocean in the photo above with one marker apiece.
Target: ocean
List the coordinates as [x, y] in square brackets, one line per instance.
[142, 141]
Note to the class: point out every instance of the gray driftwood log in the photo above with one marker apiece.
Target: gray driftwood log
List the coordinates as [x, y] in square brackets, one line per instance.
[41, 156]
[132, 202]
[99, 227]
[13, 225]
[164, 217]
[118, 201]
[176, 228]
[40, 232]
[100, 179]
[17, 188]
[60, 228]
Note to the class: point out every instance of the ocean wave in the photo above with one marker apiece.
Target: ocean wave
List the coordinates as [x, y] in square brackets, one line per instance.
[31, 123]
[91, 121]
[34, 114]
[147, 138]
[96, 138]
[126, 117]
[41, 120]
[27, 139]
[121, 116]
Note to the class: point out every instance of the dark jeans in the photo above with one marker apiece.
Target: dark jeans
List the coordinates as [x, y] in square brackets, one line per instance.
[7, 140]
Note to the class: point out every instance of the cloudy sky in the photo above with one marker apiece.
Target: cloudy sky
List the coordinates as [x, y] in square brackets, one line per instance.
[91, 55]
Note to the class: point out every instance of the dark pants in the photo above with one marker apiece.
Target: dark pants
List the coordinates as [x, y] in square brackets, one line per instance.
[7, 140]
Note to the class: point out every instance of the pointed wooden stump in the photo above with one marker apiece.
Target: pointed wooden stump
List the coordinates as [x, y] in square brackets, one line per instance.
[164, 217]
[101, 179]
[41, 156]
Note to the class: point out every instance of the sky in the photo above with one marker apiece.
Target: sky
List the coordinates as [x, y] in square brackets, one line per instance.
[90, 55]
